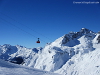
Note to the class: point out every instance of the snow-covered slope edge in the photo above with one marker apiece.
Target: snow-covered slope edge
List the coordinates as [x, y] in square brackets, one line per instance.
[7, 68]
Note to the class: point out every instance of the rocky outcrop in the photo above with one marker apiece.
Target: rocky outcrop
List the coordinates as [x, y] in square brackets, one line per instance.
[98, 39]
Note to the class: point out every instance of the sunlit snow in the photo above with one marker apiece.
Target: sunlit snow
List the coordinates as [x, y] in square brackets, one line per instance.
[75, 53]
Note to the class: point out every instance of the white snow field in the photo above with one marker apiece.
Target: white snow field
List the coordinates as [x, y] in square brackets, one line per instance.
[7, 68]
[75, 53]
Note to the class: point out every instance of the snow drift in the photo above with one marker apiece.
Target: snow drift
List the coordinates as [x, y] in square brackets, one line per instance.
[7, 68]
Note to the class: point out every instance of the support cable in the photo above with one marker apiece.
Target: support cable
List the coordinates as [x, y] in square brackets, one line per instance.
[26, 26]
[21, 29]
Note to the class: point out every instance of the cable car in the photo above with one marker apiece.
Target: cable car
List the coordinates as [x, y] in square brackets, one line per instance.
[38, 41]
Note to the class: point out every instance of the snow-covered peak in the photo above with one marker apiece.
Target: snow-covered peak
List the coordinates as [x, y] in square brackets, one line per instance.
[71, 39]
[85, 31]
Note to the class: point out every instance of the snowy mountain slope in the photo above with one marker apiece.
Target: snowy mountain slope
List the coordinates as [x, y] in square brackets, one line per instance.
[8, 52]
[74, 53]
[87, 64]
[7, 68]
[86, 60]
[64, 48]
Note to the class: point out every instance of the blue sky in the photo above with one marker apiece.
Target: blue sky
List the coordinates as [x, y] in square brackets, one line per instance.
[23, 21]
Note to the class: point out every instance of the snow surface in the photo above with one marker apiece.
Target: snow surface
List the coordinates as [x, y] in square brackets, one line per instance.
[87, 64]
[7, 68]
[75, 53]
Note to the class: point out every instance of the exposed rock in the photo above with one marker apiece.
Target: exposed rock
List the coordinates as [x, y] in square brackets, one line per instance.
[98, 39]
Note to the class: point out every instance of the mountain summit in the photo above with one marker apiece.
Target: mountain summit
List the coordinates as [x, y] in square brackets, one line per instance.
[75, 53]
[71, 39]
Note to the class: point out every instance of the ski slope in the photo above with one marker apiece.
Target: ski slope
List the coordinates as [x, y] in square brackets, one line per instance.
[7, 68]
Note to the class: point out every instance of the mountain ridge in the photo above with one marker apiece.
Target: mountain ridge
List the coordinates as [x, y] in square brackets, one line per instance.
[60, 56]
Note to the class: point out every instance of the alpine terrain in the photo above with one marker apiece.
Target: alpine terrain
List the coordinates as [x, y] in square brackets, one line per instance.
[75, 53]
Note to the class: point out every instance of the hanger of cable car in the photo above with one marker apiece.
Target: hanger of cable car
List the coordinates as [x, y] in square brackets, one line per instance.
[38, 41]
